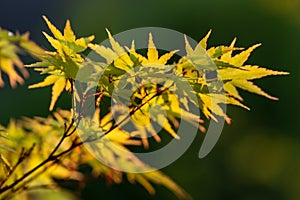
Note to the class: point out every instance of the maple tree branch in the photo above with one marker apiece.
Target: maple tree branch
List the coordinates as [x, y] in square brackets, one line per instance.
[23, 156]
[53, 158]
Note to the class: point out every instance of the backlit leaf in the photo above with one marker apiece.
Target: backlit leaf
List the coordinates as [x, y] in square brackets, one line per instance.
[10, 46]
[57, 89]
[57, 34]
[63, 64]
[152, 52]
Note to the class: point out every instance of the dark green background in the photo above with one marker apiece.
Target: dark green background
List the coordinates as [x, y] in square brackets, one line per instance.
[257, 156]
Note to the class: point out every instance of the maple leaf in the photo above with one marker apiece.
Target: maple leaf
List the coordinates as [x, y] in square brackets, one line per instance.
[242, 76]
[116, 55]
[10, 46]
[63, 64]
[198, 56]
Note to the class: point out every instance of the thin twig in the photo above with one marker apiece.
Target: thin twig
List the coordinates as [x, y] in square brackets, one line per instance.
[23, 155]
[52, 157]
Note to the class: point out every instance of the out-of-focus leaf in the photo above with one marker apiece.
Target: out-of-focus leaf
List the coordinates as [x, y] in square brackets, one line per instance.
[111, 151]
[10, 46]
[45, 133]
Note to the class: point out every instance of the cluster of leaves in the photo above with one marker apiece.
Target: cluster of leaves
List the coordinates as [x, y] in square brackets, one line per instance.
[171, 94]
[36, 139]
[159, 95]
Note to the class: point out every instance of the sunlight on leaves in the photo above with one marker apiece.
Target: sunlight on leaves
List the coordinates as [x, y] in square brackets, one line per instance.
[63, 64]
[11, 45]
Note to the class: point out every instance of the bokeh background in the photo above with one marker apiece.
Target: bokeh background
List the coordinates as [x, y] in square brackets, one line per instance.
[258, 155]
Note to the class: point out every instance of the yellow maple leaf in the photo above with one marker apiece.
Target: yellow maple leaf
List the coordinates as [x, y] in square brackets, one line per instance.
[10, 46]
[63, 64]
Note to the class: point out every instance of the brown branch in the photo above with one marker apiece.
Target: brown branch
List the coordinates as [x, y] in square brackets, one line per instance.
[50, 158]
[23, 155]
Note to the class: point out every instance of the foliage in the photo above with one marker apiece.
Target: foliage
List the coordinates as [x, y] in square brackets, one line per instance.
[10, 46]
[35, 152]
[63, 64]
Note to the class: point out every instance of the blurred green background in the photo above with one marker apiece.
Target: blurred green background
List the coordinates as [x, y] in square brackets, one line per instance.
[258, 156]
